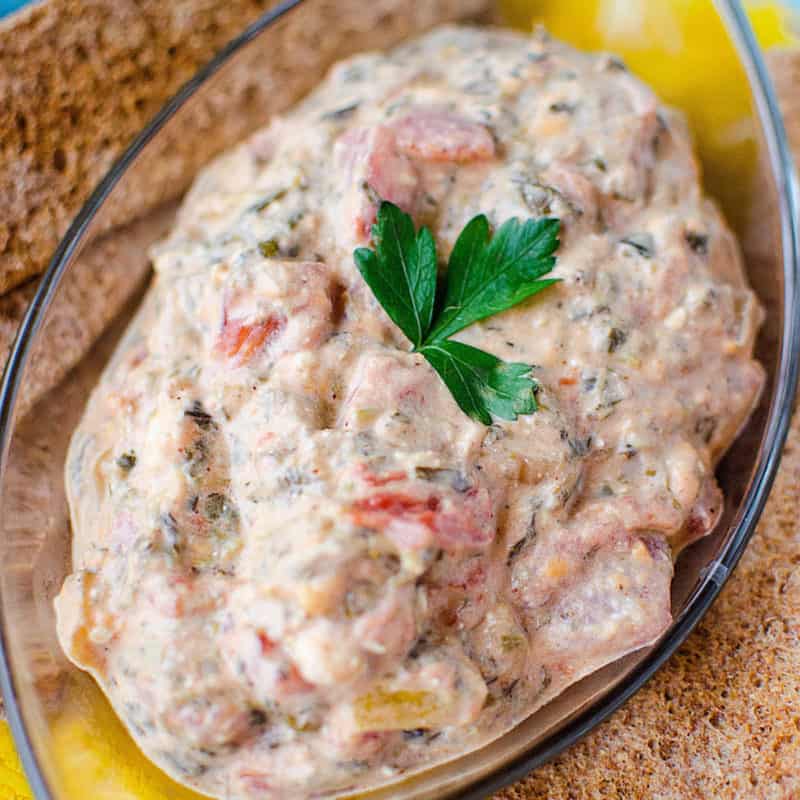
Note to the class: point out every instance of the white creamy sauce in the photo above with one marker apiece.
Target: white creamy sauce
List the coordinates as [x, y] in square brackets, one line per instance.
[298, 566]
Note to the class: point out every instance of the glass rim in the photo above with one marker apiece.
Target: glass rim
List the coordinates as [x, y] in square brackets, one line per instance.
[750, 507]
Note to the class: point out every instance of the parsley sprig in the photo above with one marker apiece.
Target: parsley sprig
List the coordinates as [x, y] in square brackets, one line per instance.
[486, 274]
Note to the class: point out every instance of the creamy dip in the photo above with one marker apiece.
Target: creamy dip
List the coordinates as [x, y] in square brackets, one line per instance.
[299, 568]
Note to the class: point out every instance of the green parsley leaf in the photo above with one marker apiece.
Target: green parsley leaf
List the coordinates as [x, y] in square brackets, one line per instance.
[482, 384]
[487, 275]
[401, 271]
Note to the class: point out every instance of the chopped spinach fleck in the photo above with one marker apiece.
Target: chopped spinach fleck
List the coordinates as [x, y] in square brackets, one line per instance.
[339, 114]
[539, 198]
[354, 74]
[615, 64]
[509, 690]
[294, 219]
[527, 539]
[629, 451]
[698, 242]
[279, 194]
[215, 505]
[616, 338]
[268, 248]
[196, 456]
[258, 718]
[510, 642]
[127, 461]
[201, 417]
[170, 533]
[642, 243]
[580, 447]
[705, 427]
[451, 477]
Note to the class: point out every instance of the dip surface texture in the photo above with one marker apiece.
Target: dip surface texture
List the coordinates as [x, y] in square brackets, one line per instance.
[299, 568]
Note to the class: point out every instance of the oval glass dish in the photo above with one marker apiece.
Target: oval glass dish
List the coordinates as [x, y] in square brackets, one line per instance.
[70, 742]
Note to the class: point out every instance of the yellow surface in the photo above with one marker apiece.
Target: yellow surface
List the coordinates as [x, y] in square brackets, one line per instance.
[681, 49]
[97, 758]
[111, 764]
[13, 785]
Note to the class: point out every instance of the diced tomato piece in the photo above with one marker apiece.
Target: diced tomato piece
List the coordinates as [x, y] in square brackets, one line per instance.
[240, 340]
[266, 643]
[381, 480]
[389, 172]
[409, 521]
[376, 170]
[290, 681]
[437, 135]
[379, 510]
[469, 523]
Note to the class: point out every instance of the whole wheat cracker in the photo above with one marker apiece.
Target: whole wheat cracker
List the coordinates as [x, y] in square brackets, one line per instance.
[80, 78]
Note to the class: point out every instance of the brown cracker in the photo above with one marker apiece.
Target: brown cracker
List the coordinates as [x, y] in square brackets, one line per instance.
[80, 78]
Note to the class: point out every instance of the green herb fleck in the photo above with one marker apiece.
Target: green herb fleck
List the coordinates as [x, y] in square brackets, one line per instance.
[615, 64]
[295, 219]
[258, 718]
[616, 338]
[127, 461]
[269, 199]
[698, 242]
[218, 506]
[487, 274]
[215, 505]
[642, 243]
[199, 415]
[268, 248]
[511, 641]
[341, 113]
[301, 724]
[705, 427]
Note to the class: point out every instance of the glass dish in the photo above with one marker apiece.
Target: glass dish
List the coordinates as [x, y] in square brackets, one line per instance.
[40, 687]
